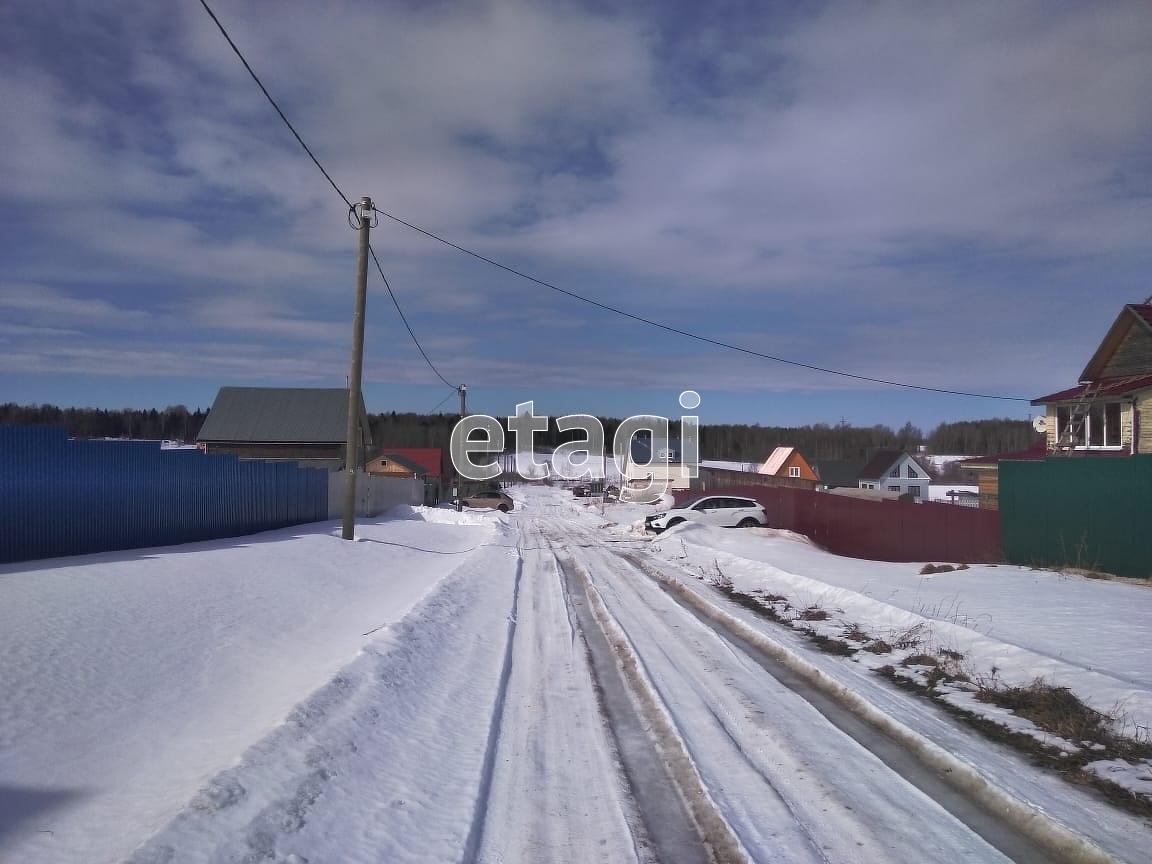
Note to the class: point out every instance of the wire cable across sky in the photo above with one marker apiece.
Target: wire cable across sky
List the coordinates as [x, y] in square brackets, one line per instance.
[327, 176]
[687, 333]
[668, 328]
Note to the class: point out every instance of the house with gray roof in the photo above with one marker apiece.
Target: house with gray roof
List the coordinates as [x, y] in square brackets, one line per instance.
[308, 425]
[895, 471]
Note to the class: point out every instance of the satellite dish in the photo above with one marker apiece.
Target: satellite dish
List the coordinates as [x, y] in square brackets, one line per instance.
[1040, 423]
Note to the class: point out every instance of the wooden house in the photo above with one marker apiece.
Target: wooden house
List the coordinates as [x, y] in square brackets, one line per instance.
[1110, 410]
[789, 462]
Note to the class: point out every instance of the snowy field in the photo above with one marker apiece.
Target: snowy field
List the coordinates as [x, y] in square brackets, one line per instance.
[423, 694]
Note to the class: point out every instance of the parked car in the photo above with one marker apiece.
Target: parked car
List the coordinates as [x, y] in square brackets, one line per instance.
[724, 511]
[585, 490]
[493, 498]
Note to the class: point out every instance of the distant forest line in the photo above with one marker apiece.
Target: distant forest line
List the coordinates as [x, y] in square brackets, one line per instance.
[736, 442]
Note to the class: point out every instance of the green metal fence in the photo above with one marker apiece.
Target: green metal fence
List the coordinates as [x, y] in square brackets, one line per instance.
[1074, 511]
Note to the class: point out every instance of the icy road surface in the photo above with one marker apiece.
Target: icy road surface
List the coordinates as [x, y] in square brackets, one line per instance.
[518, 690]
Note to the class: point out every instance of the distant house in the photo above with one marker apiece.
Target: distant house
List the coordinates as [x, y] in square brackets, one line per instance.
[837, 473]
[785, 467]
[432, 460]
[393, 465]
[643, 467]
[1110, 410]
[987, 470]
[788, 462]
[424, 462]
[895, 471]
[298, 424]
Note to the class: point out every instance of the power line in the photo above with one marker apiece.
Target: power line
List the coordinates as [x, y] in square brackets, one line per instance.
[272, 101]
[405, 320]
[670, 329]
[604, 306]
[441, 402]
[327, 177]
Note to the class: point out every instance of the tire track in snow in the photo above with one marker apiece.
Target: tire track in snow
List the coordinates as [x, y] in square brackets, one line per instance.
[682, 822]
[687, 658]
[555, 791]
[476, 832]
[1012, 826]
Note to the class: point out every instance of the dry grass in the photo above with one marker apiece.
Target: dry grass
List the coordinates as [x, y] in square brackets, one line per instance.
[1054, 709]
[830, 645]
[929, 569]
[814, 613]
[911, 637]
[919, 660]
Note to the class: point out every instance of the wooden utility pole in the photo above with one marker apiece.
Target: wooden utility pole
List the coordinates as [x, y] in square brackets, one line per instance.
[352, 453]
[459, 479]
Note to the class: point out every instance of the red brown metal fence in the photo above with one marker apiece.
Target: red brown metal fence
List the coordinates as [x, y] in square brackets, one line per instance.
[880, 530]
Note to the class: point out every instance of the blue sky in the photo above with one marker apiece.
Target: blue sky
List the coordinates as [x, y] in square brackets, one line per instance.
[950, 195]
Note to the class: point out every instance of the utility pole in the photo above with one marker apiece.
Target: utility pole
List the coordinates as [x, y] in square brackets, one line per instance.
[352, 452]
[459, 481]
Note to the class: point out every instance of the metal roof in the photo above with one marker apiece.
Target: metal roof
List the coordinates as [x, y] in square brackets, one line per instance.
[281, 415]
[837, 472]
[430, 459]
[883, 460]
[1107, 387]
[776, 460]
[407, 464]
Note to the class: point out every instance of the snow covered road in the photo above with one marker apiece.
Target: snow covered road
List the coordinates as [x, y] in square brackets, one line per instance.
[547, 700]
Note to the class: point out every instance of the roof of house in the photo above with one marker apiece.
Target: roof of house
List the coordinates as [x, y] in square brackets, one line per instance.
[837, 472]
[1038, 450]
[281, 415]
[1108, 387]
[407, 464]
[1138, 315]
[641, 449]
[881, 463]
[429, 459]
[776, 460]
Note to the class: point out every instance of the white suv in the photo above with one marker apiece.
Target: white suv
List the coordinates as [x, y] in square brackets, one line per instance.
[724, 511]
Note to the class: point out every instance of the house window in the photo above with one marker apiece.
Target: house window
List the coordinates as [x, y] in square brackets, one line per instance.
[911, 472]
[893, 488]
[895, 472]
[1100, 427]
[794, 471]
[914, 491]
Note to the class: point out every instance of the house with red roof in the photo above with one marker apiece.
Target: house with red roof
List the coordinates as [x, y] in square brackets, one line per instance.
[788, 462]
[1110, 411]
[426, 462]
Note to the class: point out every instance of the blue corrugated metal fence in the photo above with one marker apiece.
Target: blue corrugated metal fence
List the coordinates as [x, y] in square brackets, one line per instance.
[64, 497]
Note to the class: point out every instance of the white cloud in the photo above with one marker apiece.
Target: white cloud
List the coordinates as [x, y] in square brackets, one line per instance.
[901, 163]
